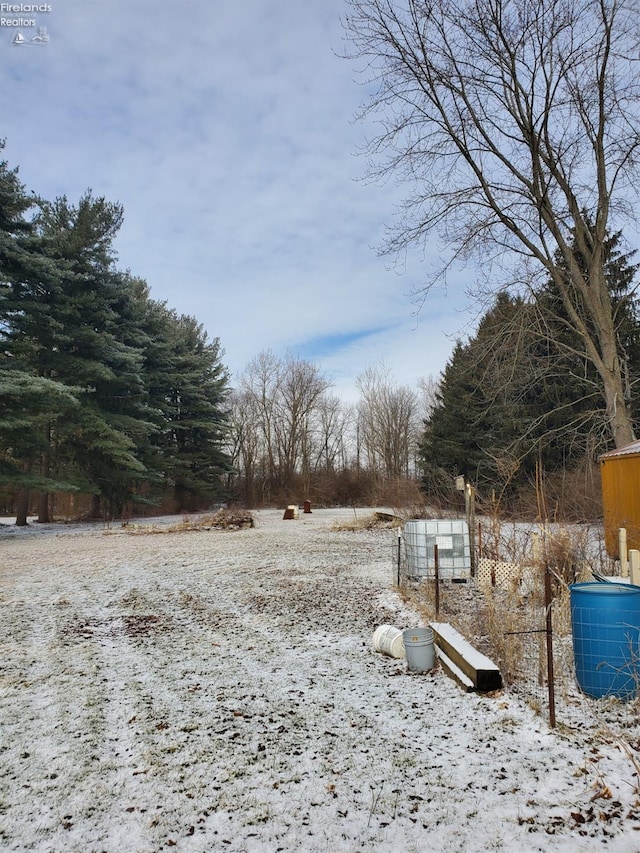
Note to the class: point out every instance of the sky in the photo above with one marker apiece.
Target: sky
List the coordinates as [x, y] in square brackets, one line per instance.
[227, 131]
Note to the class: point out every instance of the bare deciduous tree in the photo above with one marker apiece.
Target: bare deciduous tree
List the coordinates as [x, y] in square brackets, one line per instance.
[427, 395]
[259, 389]
[388, 422]
[277, 424]
[244, 439]
[333, 422]
[516, 124]
[302, 387]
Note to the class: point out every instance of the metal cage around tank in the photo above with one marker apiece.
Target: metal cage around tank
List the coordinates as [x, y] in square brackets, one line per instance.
[454, 554]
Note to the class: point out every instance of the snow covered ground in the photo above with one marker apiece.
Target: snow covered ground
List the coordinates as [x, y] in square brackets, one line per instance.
[218, 691]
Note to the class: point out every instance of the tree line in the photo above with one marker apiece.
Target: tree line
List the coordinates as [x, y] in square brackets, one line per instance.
[107, 392]
[521, 398]
[104, 391]
[292, 439]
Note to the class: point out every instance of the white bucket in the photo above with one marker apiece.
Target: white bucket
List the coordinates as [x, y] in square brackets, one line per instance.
[388, 640]
[419, 649]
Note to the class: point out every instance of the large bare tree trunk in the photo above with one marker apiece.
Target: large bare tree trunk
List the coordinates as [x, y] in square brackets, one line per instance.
[617, 413]
[514, 125]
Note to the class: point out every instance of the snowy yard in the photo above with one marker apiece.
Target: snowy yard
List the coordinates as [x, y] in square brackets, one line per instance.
[218, 691]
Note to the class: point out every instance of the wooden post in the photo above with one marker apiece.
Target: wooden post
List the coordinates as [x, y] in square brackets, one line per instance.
[436, 570]
[622, 548]
[469, 667]
[535, 546]
[549, 633]
[470, 507]
[634, 566]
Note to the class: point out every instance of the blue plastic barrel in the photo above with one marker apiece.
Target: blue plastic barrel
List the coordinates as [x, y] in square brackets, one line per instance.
[605, 621]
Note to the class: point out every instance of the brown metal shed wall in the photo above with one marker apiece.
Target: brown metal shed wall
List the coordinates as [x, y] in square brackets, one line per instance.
[621, 500]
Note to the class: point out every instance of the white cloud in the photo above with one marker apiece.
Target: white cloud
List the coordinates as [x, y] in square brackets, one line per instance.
[226, 131]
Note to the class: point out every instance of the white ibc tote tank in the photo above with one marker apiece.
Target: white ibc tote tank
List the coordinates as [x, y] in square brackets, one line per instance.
[454, 554]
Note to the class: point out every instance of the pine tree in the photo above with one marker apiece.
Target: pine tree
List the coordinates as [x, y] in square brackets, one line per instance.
[30, 402]
[478, 424]
[520, 393]
[572, 374]
[99, 347]
[197, 408]
[102, 389]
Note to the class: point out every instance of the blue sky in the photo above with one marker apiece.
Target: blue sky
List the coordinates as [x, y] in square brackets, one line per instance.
[226, 130]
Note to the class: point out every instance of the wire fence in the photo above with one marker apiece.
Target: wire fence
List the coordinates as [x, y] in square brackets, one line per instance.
[501, 611]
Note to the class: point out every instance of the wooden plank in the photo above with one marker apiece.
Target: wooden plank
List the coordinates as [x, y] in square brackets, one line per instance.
[455, 672]
[484, 674]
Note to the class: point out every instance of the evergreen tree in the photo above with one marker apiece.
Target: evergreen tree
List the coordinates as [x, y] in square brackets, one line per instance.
[30, 402]
[187, 389]
[97, 347]
[520, 393]
[477, 426]
[28, 405]
[198, 414]
[572, 375]
[102, 389]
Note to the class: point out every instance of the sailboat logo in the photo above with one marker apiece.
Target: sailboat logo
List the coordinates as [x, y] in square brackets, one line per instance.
[41, 38]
